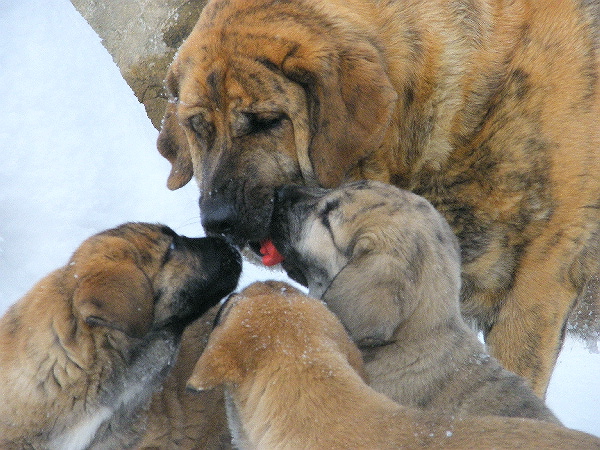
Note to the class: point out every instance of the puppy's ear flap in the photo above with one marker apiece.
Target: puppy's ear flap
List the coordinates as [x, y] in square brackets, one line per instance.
[115, 295]
[217, 365]
[372, 307]
[172, 143]
[351, 103]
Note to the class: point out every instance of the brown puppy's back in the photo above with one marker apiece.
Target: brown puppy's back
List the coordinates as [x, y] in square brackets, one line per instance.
[293, 376]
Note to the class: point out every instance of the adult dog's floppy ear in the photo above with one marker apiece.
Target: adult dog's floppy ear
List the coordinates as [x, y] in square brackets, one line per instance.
[116, 295]
[172, 143]
[351, 102]
[371, 307]
[216, 366]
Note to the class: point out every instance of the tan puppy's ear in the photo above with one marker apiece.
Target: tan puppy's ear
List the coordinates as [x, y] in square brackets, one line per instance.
[217, 365]
[351, 102]
[115, 295]
[372, 307]
[172, 143]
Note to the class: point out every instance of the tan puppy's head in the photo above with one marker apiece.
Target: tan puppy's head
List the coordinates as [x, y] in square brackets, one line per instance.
[139, 277]
[83, 351]
[374, 253]
[258, 91]
[270, 323]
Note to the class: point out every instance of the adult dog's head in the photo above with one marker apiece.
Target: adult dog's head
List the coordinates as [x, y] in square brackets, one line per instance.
[258, 92]
[139, 277]
[374, 253]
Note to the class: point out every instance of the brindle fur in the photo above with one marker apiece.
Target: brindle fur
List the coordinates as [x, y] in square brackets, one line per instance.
[489, 109]
[82, 353]
[388, 265]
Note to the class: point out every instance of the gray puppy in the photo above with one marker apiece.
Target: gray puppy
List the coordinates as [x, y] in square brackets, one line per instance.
[388, 265]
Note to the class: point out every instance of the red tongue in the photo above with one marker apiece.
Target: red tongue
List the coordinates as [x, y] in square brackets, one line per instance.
[270, 255]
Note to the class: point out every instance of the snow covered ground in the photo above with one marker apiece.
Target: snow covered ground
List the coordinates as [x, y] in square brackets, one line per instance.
[77, 155]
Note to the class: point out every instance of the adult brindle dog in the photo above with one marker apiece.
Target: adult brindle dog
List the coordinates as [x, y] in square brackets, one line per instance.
[489, 109]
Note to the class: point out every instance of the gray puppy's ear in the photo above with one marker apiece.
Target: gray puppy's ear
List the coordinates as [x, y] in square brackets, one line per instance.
[387, 281]
[373, 294]
[369, 297]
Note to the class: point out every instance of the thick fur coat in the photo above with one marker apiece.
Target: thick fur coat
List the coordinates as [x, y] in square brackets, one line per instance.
[487, 108]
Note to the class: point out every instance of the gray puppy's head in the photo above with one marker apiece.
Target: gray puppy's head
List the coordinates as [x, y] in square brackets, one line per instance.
[375, 254]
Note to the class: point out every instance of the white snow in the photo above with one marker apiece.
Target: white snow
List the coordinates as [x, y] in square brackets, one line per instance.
[78, 155]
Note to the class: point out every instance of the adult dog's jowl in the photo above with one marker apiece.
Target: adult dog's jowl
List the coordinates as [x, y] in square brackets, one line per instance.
[489, 109]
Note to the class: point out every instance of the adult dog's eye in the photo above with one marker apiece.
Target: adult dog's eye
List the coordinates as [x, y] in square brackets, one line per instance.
[252, 123]
[260, 123]
[203, 128]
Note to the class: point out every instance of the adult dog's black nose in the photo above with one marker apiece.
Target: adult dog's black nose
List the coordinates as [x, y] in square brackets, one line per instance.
[218, 215]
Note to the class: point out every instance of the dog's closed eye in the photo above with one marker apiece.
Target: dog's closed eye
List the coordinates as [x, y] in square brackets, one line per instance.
[330, 206]
[204, 129]
[254, 123]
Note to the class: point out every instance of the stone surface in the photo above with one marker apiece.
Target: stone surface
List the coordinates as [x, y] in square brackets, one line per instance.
[142, 37]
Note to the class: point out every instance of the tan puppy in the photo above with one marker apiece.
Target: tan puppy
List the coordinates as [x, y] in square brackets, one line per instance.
[293, 379]
[388, 265]
[487, 108]
[82, 353]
